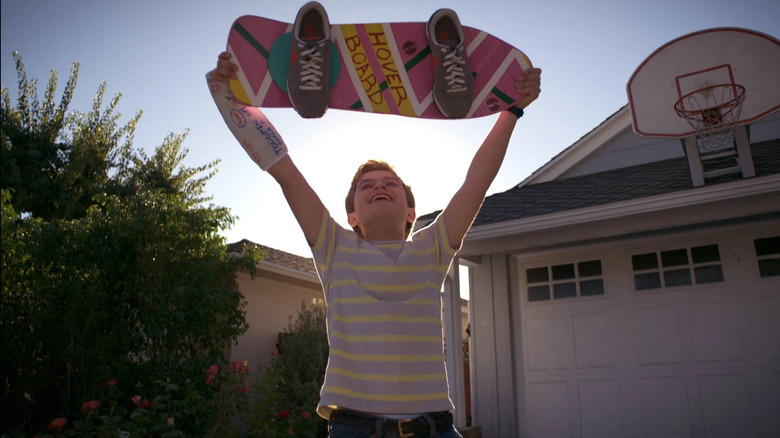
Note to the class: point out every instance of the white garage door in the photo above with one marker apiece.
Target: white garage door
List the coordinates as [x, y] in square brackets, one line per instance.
[658, 340]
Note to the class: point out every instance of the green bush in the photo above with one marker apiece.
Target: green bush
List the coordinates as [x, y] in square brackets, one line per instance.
[118, 297]
[169, 410]
[281, 403]
[287, 394]
[113, 270]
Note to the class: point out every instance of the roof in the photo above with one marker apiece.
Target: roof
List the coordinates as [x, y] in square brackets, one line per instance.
[580, 149]
[606, 187]
[277, 256]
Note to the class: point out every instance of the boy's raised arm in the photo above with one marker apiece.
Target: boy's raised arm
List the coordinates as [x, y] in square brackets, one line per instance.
[259, 138]
[463, 208]
[303, 200]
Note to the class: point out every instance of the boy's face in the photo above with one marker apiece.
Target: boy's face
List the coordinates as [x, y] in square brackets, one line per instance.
[380, 201]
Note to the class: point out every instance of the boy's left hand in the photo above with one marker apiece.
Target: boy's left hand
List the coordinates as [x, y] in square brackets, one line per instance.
[530, 85]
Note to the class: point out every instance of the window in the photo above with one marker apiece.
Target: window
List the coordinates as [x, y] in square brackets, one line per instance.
[677, 267]
[768, 255]
[563, 281]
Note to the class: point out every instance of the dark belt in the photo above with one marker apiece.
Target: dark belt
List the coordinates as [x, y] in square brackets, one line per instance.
[405, 428]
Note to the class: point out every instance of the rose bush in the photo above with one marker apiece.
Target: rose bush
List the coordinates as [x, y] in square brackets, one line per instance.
[220, 402]
[288, 392]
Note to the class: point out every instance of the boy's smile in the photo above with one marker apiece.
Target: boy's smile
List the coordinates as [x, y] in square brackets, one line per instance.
[380, 197]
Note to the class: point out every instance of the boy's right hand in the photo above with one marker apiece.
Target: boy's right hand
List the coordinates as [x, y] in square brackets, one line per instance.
[225, 68]
[256, 134]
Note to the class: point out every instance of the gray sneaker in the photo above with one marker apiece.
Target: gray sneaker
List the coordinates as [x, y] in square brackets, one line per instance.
[308, 80]
[453, 87]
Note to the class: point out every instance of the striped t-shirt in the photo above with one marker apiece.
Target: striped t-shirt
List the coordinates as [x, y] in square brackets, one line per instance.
[384, 320]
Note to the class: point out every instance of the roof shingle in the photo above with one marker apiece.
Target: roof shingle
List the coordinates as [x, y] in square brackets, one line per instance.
[606, 187]
[277, 256]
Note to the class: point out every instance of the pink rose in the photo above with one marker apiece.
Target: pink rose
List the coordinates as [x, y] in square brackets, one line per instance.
[244, 389]
[213, 370]
[136, 399]
[57, 424]
[112, 383]
[170, 421]
[240, 367]
[90, 407]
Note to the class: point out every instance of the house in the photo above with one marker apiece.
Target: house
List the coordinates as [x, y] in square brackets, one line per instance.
[622, 291]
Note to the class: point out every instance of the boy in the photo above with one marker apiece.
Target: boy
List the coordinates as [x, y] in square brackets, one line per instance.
[386, 374]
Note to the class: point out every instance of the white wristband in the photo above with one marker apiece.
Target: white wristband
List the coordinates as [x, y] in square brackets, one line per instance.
[249, 125]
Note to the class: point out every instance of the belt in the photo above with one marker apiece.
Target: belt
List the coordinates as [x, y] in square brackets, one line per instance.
[404, 428]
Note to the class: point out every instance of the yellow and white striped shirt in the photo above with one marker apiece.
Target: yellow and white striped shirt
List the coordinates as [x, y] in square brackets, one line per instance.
[384, 320]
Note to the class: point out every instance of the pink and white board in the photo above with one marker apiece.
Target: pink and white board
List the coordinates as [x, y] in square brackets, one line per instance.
[384, 68]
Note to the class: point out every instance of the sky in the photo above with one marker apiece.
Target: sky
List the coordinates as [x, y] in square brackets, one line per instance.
[156, 53]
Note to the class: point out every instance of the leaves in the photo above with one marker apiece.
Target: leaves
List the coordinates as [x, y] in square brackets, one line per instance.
[112, 264]
[293, 380]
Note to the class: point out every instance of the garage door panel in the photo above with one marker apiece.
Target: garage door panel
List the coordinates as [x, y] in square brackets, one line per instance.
[594, 340]
[715, 332]
[665, 408]
[763, 333]
[548, 409]
[550, 343]
[726, 407]
[765, 400]
[657, 336]
[601, 413]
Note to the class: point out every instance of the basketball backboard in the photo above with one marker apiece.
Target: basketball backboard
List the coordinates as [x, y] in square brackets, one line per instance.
[720, 56]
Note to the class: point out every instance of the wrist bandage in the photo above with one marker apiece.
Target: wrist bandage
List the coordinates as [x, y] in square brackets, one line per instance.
[249, 125]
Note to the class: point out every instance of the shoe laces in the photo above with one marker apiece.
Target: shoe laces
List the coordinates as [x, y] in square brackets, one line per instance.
[312, 60]
[455, 64]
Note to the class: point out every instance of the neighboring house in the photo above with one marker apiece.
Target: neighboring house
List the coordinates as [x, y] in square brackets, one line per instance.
[611, 296]
[283, 282]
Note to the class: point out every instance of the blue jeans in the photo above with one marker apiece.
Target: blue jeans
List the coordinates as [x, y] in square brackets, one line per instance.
[359, 425]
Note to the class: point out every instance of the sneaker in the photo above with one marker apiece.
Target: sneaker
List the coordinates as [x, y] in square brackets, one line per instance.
[308, 80]
[453, 86]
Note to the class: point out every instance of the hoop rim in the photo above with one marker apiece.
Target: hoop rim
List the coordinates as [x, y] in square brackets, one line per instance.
[739, 95]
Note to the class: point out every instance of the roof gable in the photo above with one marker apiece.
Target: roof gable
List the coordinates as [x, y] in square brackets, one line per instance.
[581, 149]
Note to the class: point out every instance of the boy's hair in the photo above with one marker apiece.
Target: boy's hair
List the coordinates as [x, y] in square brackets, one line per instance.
[369, 166]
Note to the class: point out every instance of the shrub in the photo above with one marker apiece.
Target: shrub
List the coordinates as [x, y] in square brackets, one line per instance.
[288, 392]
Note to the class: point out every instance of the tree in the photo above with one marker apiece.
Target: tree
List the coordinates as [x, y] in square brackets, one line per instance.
[112, 262]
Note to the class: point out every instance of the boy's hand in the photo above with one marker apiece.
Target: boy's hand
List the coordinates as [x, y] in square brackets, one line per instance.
[530, 85]
[225, 68]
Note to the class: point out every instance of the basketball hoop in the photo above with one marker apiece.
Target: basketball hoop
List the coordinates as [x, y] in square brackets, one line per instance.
[713, 112]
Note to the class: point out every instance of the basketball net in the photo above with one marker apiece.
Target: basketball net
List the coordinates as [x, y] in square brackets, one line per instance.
[713, 112]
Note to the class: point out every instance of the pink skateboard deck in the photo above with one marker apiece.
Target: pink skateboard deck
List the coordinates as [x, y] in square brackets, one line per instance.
[384, 68]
